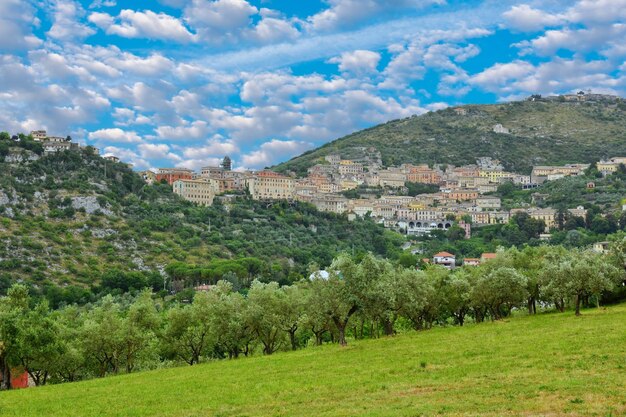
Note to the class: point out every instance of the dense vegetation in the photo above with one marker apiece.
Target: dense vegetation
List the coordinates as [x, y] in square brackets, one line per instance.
[73, 225]
[360, 297]
[541, 133]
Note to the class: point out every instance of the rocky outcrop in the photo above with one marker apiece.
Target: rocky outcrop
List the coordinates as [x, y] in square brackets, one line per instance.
[90, 205]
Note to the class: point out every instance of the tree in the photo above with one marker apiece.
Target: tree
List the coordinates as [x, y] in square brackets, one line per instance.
[230, 321]
[138, 333]
[581, 274]
[338, 296]
[265, 306]
[414, 296]
[500, 290]
[188, 335]
[40, 345]
[100, 336]
[456, 295]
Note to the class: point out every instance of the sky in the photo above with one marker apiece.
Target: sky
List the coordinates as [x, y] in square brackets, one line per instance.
[182, 83]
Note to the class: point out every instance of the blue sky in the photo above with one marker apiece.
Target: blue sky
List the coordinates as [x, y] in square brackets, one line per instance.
[185, 82]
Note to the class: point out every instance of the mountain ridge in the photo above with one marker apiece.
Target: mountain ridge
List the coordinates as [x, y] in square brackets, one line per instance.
[541, 131]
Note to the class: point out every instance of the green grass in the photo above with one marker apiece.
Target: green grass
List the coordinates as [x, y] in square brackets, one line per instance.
[548, 365]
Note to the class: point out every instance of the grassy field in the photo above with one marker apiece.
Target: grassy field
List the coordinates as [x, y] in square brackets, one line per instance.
[548, 365]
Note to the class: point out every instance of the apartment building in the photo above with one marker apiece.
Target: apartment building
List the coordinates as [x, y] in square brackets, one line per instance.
[201, 192]
[269, 185]
[173, 174]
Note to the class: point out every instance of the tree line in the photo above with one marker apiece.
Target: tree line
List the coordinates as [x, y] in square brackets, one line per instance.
[356, 297]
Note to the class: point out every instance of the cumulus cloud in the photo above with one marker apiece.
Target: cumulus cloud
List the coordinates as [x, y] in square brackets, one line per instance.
[146, 24]
[358, 62]
[346, 13]
[16, 20]
[274, 151]
[114, 135]
[526, 18]
[67, 26]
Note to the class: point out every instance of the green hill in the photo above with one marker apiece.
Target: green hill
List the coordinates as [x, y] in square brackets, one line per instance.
[68, 219]
[541, 132]
[545, 365]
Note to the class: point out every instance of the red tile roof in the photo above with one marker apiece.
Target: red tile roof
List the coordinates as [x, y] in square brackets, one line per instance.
[443, 255]
[488, 255]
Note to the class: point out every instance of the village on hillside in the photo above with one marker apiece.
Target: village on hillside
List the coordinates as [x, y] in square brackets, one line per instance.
[462, 194]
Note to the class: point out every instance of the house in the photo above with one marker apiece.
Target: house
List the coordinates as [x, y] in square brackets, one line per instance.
[471, 261]
[601, 247]
[39, 135]
[112, 158]
[148, 176]
[445, 259]
[487, 256]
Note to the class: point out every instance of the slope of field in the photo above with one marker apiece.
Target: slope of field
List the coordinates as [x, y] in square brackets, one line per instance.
[541, 133]
[548, 365]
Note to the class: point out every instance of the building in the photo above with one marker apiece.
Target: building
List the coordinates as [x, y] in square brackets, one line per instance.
[540, 174]
[170, 175]
[487, 202]
[54, 147]
[445, 259]
[148, 176]
[201, 192]
[39, 135]
[331, 203]
[487, 256]
[601, 247]
[112, 158]
[471, 261]
[269, 185]
[422, 227]
[212, 172]
[348, 167]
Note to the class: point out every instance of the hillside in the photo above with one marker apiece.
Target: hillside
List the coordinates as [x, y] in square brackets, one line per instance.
[67, 219]
[550, 364]
[541, 132]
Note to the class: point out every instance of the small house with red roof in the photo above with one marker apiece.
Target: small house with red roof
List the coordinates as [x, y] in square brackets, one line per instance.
[445, 259]
[471, 261]
[487, 256]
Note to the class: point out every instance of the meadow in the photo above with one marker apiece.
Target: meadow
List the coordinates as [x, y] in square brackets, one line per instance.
[545, 365]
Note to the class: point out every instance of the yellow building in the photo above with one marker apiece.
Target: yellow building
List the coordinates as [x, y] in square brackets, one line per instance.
[348, 167]
[269, 185]
[494, 176]
[201, 192]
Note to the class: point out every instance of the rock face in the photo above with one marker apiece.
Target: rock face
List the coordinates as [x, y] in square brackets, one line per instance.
[90, 205]
[4, 199]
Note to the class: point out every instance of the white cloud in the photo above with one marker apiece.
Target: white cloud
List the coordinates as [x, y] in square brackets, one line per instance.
[229, 21]
[116, 135]
[347, 13]
[526, 18]
[67, 26]
[16, 20]
[274, 151]
[189, 131]
[357, 62]
[147, 24]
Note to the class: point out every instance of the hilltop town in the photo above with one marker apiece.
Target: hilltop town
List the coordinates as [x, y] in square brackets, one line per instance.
[461, 195]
